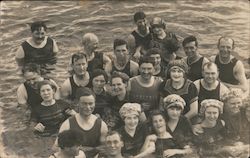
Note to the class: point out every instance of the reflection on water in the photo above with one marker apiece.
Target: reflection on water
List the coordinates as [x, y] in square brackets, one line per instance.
[68, 21]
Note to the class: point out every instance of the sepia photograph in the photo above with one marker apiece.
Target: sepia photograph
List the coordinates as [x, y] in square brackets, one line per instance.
[125, 79]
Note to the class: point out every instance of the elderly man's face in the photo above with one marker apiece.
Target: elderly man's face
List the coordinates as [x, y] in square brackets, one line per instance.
[225, 47]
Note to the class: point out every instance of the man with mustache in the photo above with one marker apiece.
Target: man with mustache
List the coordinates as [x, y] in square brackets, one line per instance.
[232, 71]
[122, 62]
[39, 49]
[139, 39]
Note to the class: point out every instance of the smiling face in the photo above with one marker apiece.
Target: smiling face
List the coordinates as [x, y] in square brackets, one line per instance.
[86, 105]
[176, 74]
[146, 70]
[159, 123]
[210, 74]
[114, 144]
[225, 47]
[131, 121]
[47, 93]
[190, 49]
[118, 86]
[211, 114]
[158, 30]
[156, 58]
[38, 35]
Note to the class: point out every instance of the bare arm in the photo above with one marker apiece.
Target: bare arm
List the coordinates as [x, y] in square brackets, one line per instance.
[107, 64]
[239, 74]
[193, 110]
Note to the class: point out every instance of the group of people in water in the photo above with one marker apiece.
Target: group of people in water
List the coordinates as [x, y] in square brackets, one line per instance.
[143, 100]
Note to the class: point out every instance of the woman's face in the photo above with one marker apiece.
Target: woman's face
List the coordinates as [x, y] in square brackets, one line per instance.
[211, 114]
[47, 93]
[176, 74]
[159, 123]
[131, 121]
[99, 82]
[174, 113]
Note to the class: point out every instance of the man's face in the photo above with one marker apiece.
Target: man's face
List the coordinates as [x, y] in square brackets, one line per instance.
[118, 86]
[141, 24]
[210, 74]
[225, 47]
[121, 52]
[93, 44]
[86, 105]
[80, 66]
[31, 78]
[114, 144]
[39, 35]
[146, 70]
[190, 49]
[72, 151]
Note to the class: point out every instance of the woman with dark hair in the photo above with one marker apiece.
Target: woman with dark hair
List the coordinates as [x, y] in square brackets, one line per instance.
[69, 142]
[177, 124]
[98, 80]
[51, 113]
[165, 145]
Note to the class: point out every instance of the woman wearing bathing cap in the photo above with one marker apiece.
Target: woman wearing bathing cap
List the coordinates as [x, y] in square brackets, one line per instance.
[164, 40]
[213, 127]
[133, 132]
[180, 85]
[178, 125]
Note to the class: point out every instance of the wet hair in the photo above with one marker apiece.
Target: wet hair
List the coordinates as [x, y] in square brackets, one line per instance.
[88, 37]
[146, 59]
[155, 113]
[119, 42]
[31, 67]
[98, 72]
[190, 39]
[209, 65]
[77, 56]
[152, 51]
[83, 92]
[35, 26]
[123, 76]
[46, 82]
[226, 38]
[110, 133]
[139, 15]
[69, 138]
